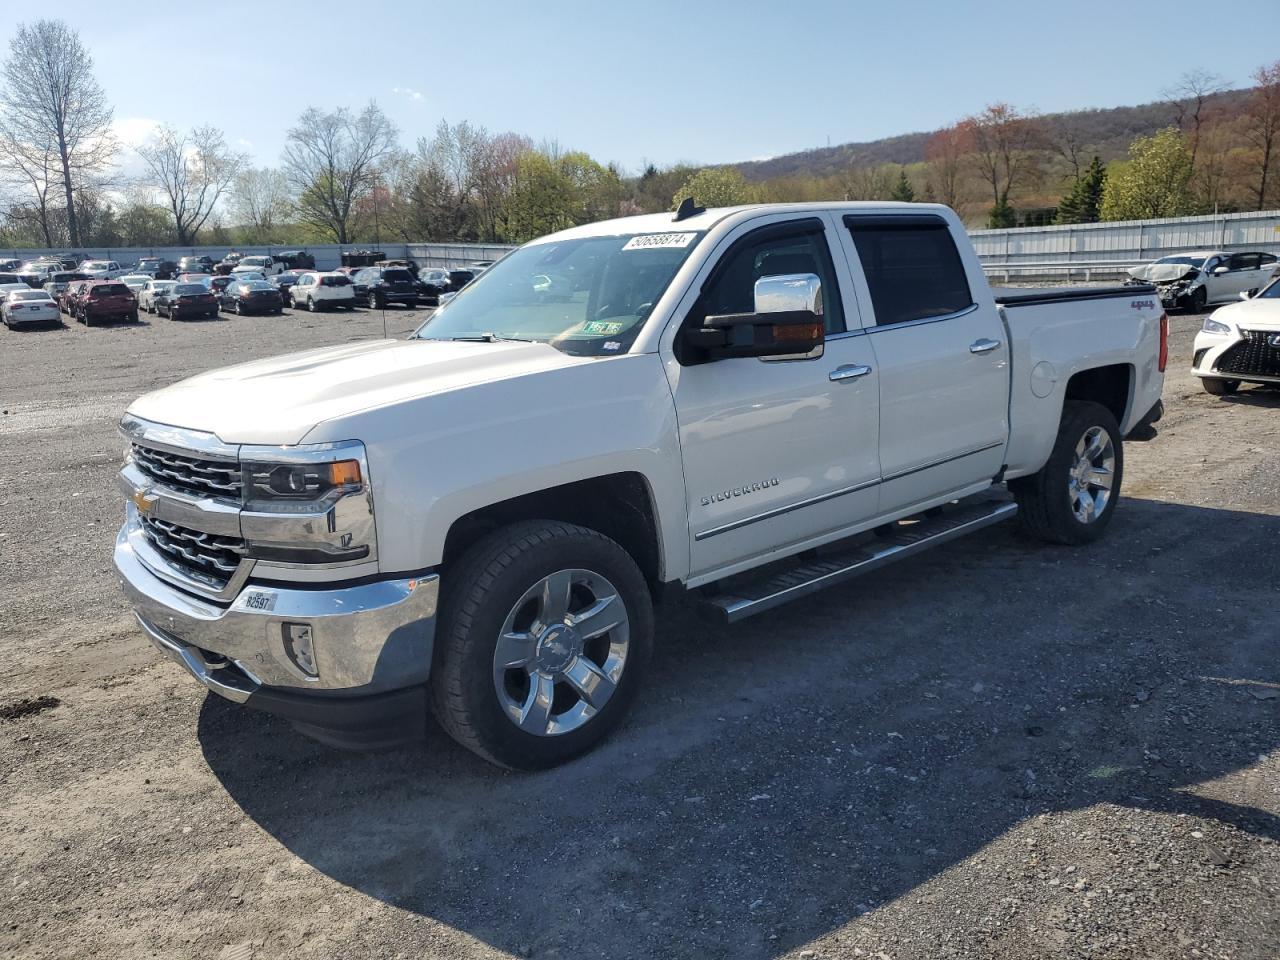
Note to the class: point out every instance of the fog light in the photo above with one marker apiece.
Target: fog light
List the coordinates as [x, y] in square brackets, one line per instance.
[297, 643]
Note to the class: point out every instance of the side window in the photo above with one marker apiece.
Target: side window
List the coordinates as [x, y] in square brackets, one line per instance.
[912, 266]
[731, 288]
[1244, 261]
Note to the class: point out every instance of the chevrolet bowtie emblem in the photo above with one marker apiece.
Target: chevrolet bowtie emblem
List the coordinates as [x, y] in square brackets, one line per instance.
[144, 500]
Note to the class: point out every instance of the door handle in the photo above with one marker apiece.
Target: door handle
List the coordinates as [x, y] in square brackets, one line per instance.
[984, 346]
[849, 371]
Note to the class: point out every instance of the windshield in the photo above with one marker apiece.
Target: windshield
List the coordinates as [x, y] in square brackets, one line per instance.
[95, 265]
[588, 296]
[254, 261]
[29, 295]
[1271, 291]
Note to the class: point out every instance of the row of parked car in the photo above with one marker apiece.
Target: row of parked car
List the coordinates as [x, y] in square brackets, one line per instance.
[244, 290]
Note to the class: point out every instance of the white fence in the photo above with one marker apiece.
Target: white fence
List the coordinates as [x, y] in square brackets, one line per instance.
[1094, 250]
[1087, 250]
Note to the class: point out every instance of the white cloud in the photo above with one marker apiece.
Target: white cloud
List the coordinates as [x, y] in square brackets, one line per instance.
[245, 144]
[409, 92]
[133, 131]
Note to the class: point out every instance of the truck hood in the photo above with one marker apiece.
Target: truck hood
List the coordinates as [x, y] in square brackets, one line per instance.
[1253, 314]
[279, 400]
[1162, 272]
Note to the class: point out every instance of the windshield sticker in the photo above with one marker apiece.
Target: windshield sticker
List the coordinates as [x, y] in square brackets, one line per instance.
[611, 345]
[602, 328]
[654, 241]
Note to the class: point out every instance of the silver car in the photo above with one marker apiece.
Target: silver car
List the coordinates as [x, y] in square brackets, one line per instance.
[29, 306]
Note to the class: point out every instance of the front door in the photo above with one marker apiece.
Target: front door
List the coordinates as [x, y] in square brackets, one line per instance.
[943, 359]
[777, 452]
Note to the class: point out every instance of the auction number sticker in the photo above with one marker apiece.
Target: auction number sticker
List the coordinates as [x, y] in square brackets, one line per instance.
[602, 328]
[657, 241]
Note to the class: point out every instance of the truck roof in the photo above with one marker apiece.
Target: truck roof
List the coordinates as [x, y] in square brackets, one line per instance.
[665, 222]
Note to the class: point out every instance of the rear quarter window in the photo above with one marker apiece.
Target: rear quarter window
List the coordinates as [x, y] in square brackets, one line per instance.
[912, 266]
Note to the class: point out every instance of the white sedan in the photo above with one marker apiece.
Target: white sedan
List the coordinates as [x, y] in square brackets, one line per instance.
[29, 306]
[1193, 281]
[135, 281]
[152, 289]
[1240, 343]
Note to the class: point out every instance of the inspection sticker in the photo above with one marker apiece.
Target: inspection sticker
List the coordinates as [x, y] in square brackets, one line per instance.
[602, 328]
[653, 241]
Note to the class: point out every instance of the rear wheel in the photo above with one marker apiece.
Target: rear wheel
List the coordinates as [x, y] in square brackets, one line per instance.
[546, 628]
[1072, 498]
[1219, 387]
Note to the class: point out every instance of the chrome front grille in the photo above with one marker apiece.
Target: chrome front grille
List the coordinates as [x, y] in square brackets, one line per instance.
[210, 558]
[199, 476]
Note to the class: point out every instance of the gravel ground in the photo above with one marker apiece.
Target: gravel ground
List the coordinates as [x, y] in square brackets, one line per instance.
[996, 750]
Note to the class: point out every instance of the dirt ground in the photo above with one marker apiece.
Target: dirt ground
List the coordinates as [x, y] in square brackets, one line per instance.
[996, 750]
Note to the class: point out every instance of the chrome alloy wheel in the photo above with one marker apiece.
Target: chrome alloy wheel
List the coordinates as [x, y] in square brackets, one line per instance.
[1090, 478]
[561, 652]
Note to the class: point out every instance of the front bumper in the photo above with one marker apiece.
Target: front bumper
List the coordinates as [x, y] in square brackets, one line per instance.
[371, 643]
[1242, 354]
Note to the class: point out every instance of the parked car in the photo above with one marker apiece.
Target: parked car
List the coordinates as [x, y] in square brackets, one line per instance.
[283, 282]
[1240, 343]
[12, 278]
[434, 280]
[195, 264]
[227, 263]
[459, 279]
[102, 269]
[10, 265]
[69, 298]
[37, 274]
[409, 265]
[158, 268]
[101, 300]
[222, 268]
[248, 275]
[1192, 281]
[378, 287]
[732, 411]
[184, 301]
[251, 296]
[58, 282]
[361, 258]
[321, 291]
[29, 306]
[135, 281]
[193, 277]
[266, 266]
[296, 260]
[151, 292]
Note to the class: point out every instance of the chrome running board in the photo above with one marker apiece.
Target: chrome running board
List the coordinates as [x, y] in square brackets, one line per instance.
[746, 597]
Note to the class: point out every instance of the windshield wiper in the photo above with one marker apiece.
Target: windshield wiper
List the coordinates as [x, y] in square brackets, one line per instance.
[490, 338]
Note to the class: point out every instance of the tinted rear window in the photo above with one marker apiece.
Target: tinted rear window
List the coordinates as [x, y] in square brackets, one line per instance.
[912, 266]
[29, 295]
[257, 285]
[335, 281]
[188, 289]
[108, 290]
[396, 276]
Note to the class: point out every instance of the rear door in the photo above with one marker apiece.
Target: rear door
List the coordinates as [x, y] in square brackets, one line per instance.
[942, 356]
[777, 452]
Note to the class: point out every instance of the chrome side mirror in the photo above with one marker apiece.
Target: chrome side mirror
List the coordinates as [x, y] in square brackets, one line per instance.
[789, 293]
[786, 323]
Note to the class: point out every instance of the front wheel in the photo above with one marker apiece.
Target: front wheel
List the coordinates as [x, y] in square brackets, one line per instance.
[1072, 498]
[373, 302]
[239, 309]
[546, 629]
[1198, 300]
[1219, 387]
[311, 304]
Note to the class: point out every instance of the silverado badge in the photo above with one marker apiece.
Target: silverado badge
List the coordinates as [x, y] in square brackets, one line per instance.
[741, 491]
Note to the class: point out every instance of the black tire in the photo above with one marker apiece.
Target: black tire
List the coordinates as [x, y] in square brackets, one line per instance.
[1219, 387]
[133, 316]
[311, 305]
[479, 591]
[1198, 300]
[239, 309]
[1044, 499]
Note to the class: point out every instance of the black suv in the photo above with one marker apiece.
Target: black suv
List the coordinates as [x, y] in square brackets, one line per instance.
[379, 286]
[158, 268]
[296, 259]
[195, 265]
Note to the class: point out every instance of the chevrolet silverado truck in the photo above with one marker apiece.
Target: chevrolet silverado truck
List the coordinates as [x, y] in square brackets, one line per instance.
[745, 404]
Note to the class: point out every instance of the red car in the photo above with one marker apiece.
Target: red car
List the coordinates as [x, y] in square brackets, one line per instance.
[105, 300]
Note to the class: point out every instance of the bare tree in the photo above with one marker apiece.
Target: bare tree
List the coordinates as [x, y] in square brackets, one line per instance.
[1263, 130]
[945, 152]
[1004, 141]
[260, 200]
[332, 161]
[34, 172]
[1066, 138]
[193, 170]
[52, 104]
[1190, 98]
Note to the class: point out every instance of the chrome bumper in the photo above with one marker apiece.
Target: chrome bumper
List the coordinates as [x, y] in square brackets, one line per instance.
[367, 639]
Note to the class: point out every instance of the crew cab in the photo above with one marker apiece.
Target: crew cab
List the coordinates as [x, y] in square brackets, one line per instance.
[267, 266]
[746, 404]
[1193, 281]
[102, 269]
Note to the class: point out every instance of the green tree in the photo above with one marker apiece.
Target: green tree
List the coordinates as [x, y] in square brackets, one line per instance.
[1083, 204]
[716, 187]
[541, 198]
[1154, 182]
[1002, 215]
[903, 192]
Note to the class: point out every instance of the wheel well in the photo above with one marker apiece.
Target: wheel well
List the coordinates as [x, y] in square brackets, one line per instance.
[618, 505]
[1108, 386]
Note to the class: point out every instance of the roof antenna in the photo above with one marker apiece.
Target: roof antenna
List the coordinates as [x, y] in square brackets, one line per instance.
[687, 209]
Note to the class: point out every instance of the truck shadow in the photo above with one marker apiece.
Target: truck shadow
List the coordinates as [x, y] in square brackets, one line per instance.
[783, 777]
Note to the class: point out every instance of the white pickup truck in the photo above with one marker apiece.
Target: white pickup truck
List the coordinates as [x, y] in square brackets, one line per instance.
[749, 403]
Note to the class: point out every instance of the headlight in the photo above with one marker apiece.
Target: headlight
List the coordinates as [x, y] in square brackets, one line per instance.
[1214, 326]
[308, 505]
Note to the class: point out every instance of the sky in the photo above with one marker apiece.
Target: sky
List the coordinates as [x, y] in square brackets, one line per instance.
[632, 83]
